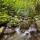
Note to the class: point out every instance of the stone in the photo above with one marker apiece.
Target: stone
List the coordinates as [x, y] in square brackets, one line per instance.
[38, 25]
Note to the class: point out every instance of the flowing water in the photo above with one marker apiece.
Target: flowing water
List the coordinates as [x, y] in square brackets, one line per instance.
[18, 35]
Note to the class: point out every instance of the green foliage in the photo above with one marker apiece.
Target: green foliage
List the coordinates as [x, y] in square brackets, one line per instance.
[23, 7]
[28, 8]
[14, 21]
[37, 8]
[24, 4]
[4, 18]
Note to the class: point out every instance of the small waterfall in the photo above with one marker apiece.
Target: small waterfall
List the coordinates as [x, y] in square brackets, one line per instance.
[32, 29]
[17, 30]
[26, 35]
[21, 36]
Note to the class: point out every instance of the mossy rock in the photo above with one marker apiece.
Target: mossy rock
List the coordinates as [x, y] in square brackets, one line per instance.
[38, 24]
[37, 18]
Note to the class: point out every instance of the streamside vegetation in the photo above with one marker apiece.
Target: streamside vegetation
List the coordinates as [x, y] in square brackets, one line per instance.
[15, 13]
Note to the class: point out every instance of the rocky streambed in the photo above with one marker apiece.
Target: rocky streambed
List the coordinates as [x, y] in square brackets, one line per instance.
[22, 32]
[30, 34]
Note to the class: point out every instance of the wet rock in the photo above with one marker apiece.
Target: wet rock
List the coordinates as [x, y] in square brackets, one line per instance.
[33, 27]
[24, 26]
[9, 30]
[1, 29]
[35, 36]
[37, 18]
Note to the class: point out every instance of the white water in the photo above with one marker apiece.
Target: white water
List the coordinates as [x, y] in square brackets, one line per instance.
[26, 34]
[19, 35]
[17, 30]
[32, 29]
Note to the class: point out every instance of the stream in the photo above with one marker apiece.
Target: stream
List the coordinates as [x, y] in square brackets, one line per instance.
[18, 35]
